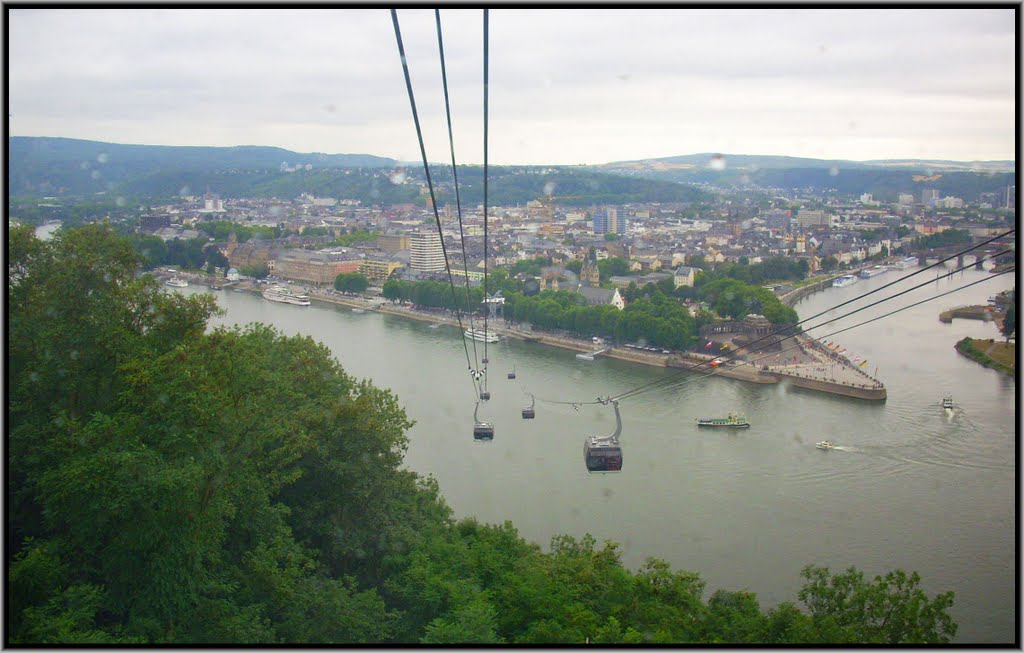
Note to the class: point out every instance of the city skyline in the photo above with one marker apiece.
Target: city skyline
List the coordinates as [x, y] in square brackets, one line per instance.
[566, 86]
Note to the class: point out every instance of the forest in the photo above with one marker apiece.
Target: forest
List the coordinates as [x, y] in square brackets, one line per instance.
[171, 483]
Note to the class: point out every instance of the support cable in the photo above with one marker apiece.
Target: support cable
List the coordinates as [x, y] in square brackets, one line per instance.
[792, 328]
[829, 335]
[430, 185]
[455, 175]
[487, 305]
[663, 382]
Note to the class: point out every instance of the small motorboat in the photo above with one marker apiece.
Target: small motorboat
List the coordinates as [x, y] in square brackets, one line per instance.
[947, 403]
[826, 444]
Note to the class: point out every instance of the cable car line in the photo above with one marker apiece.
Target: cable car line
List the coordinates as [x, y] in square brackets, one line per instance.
[486, 65]
[430, 186]
[455, 175]
[716, 370]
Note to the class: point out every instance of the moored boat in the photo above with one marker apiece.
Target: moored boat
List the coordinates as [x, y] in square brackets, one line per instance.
[481, 335]
[734, 421]
[907, 262]
[845, 280]
[177, 282]
[867, 273]
[284, 296]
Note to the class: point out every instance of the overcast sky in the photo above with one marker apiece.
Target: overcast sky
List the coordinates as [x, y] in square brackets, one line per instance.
[567, 86]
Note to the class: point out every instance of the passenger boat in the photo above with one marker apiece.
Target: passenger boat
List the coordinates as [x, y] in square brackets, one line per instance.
[285, 296]
[734, 421]
[585, 357]
[359, 310]
[867, 273]
[947, 403]
[481, 335]
[845, 280]
[826, 444]
[177, 283]
[907, 262]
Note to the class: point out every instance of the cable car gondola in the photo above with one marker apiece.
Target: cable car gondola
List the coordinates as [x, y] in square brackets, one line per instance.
[512, 374]
[603, 454]
[481, 430]
[485, 395]
[528, 412]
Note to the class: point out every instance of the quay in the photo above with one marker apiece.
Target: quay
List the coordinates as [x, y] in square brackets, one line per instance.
[815, 368]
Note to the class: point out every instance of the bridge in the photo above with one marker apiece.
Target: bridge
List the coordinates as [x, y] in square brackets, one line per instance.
[979, 255]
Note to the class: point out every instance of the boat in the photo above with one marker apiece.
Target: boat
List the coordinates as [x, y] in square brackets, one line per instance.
[359, 310]
[585, 357]
[947, 403]
[734, 421]
[177, 282]
[214, 286]
[826, 444]
[867, 273]
[845, 280]
[481, 335]
[285, 296]
[908, 262]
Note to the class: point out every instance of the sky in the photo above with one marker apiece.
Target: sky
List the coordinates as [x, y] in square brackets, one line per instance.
[567, 86]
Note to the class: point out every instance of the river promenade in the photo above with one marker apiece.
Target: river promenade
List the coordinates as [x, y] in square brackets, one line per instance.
[801, 361]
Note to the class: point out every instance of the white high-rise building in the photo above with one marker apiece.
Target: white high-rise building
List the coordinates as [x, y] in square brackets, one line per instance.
[426, 253]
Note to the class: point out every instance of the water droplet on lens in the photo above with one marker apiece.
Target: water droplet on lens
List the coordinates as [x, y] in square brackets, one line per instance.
[84, 165]
[833, 171]
[184, 190]
[397, 177]
[102, 157]
[549, 188]
[717, 162]
[73, 354]
[120, 201]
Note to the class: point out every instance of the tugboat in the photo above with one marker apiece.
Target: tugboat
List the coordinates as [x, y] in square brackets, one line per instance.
[734, 421]
[826, 444]
[947, 403]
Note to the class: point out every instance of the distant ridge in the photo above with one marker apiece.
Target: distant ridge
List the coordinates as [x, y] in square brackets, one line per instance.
[769, 162]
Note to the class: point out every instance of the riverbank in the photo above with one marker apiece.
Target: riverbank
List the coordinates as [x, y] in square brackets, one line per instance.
[999, 356]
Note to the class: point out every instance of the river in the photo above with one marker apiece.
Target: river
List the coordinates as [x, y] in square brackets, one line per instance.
[911, 486]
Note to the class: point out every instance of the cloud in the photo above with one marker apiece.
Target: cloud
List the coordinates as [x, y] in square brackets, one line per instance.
[567, 85]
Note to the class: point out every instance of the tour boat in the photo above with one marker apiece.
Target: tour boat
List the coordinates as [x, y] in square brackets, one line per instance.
[285, 296]
[177, 283]
[481, 335]
[867, 273]
[732, 421]
[845, 280]
[907, 262]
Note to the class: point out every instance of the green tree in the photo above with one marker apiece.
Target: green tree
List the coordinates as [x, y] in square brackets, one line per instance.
[351, 282]
[889, 610]
[1010, 321]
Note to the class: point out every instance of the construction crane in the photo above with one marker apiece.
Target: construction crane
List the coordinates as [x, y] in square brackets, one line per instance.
[549, 228]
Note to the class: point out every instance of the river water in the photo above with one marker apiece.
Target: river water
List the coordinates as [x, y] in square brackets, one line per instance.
[911, 486]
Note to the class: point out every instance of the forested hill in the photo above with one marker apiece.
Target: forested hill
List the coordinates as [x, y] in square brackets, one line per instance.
[42, 167]
[59, 166]
[169, 483]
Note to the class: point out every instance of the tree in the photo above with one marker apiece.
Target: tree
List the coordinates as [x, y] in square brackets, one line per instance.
[255, 271]
[890, 610]
[1010, 321]
[351, 282]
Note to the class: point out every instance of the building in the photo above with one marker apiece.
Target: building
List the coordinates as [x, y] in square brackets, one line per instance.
[777, 219]
[685, 276]
[609, 220]
[929, 196]
[377, 270]
[1010, 197]
[590, 275]
[806, 218]
[602, 296]
[393, 243]
[906, 199]
[427, 253]
[311, 267]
